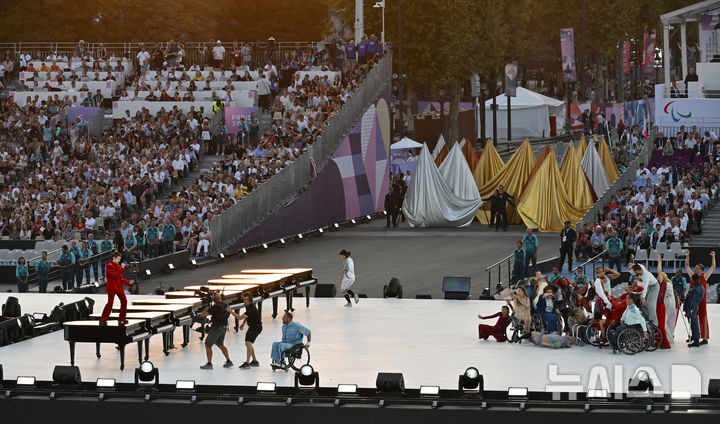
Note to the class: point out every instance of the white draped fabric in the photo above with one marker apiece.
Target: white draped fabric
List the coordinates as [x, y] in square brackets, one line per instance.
[595, 171]
[430, 202]
[457, 174]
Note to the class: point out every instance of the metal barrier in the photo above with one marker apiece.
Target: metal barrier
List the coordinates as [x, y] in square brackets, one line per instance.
[499, 264]
[594, 259]
[228, 227]
[604, 198]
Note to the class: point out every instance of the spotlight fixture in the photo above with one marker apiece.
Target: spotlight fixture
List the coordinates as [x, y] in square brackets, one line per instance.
[320, 230]
[713, 386]
[597, 394]
[300, 236]
[517, 392]
[641, 383]
[221, 255]
[148, 273]
[336, 225]
[25, 381]
[38, 317]
[66, 375]
[390, 382]
[384, 212]
[353, 221]
[185, 385]
[282, 241]
[147, 372]
[194, 263]
[471, 381]
[368, 217]
[680, 395]
[347, 389]
[96, 284]
[265, 387]
[429, 390]
[171, 267]
[244, 250]
[105, 383]
[1, 375]
[307, 378]
[265, 246]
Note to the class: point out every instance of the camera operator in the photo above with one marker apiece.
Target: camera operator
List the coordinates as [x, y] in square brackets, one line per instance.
[219, 312]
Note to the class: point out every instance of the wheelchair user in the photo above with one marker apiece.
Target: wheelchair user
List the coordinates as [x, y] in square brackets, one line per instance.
[292, 334]
[632, 317]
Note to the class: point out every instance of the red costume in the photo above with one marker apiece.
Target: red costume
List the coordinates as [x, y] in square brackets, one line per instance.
[497, 331]
[660, 312]
[114, 286]
[702, 312]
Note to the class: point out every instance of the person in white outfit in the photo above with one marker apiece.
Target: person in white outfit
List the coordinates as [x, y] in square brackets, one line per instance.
[651, 290]
[348, 278]
[204, 242]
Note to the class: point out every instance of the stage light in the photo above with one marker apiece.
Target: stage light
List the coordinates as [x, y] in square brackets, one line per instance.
[1, 375]
[221, 255]
[265, 246]
[105, 383]
[244, 251]
[680, 395]
[66, 375]
[146, 372]
[517, 392]
[368, 217]
[471, 381]
[641, 382]
[265, 387]
[347, 389]
[597, 394]
[429, 390]
[39, 317]
[282, 241]
[336, 225]
[193, 262]
[307, 378]
[390, 382]
[300, 236]
[96, 284]
[185, 385]
[713, 386]
[25, 381]
[148, 273]
[384, 212]
[171, 266]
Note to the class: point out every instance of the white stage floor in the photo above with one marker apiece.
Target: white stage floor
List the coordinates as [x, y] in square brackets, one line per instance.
[430, 341]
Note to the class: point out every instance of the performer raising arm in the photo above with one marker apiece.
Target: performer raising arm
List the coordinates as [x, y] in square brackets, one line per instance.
[702, 309]
[114, 276]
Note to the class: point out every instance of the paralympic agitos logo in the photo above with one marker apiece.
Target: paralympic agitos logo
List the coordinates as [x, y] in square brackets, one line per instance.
[675, 115]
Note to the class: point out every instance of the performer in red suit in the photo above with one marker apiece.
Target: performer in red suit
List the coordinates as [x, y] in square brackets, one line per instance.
[114, 286]
[498, 330]
[702, 311]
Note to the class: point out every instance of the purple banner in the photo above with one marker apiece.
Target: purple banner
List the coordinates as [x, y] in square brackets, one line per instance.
[567, 47]
[233, 115]
[648, 66]
[84, 113]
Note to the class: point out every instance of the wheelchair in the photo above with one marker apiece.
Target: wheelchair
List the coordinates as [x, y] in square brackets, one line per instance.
[632, 340]
[293, 358]
[516, 329]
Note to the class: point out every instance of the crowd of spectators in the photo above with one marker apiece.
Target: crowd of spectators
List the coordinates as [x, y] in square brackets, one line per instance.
[59, 183]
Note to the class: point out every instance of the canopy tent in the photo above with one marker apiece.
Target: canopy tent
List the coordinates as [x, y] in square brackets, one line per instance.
[544, 204]
[458, 176]
[582, 147]
[579, 191]
[512, 177]
[405, 143]
[595, 171]
[470, 155]
[608, 162]
[429, 201]
[530, 114]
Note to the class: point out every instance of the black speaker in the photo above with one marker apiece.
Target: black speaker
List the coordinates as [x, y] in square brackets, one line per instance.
[390, 382]
[11, 308]
[66, 375]
[325, 290]
[714, 387]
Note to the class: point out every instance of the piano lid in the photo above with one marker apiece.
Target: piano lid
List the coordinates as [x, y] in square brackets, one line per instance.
[226, 288]
[239, 282]
[166, 301]
[136, 315]
[131, 324]
[178, 308]
[293, 271]
[258, 277]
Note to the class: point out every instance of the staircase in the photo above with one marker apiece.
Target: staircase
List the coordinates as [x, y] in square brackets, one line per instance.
[711, 229]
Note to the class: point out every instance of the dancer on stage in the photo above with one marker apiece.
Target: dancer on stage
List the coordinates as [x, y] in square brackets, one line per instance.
[522, 306]
[606, 305]
[691, 308]
[702, 309]
[650, 292]
[348, 278]
[497, 330]
[254, 322]
[114, 281]
[680, 285]
[665, 308]
[547, 307]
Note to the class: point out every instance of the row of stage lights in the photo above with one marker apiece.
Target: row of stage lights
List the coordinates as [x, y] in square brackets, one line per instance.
[307, 380]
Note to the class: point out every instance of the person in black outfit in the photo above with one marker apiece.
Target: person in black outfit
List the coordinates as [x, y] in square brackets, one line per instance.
[219, 312]
[498, 209]
[254, 322]
[567, 239]
[392, 207]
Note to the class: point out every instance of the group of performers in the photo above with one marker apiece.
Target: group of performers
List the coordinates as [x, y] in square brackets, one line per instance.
[662, 300]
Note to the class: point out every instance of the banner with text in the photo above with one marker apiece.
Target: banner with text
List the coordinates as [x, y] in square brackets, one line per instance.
[233, 115]
[675, 112]
[567, 47]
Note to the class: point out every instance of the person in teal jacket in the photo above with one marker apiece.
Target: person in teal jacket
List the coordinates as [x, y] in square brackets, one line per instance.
[42, 267]
[21, 274]
[152, 236]
[531, 247]
[66, 261]
[168, 236]
[105, 246]
[85, 254]
[519, 264]
[130, 245]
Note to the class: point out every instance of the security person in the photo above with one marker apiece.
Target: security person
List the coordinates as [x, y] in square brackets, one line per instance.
[77, 269]
[152, 234]
[66, 262]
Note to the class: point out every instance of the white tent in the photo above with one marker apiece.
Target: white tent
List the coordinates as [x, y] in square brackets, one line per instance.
[595, 171]
[405, 143]
[530, 114]
[458, 176]
[429, 201]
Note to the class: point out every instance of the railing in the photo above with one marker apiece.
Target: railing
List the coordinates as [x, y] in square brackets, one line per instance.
[55, 271]
[593, 260]
[228, 227]
[499, 264]
[604, 198]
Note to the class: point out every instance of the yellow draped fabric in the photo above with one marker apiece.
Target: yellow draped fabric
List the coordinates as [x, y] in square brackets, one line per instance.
[544, 205]
[607, 160]
[470, 155]
[579, 191]
[581, 148]
[490, 163]
[512, 176]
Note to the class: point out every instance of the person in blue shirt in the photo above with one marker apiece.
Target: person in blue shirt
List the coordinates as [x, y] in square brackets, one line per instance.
[691, 307]
[350, 52]
[152, 237]
[105, 246]
[130, 245]
[292, 334]
[548, 309]
[66, 262]
[519, 264]
[84, 261]
[21, 275]
[362, 47]
[631, 317]
[77, 269]
[168, 236]
[531, 246]
[614, 247]
[94, 250]
[42, 268]
[679, 284]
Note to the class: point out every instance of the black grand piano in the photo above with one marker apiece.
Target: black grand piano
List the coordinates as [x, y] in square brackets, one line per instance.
[156, 322]
[92, 332]
[180, 314]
